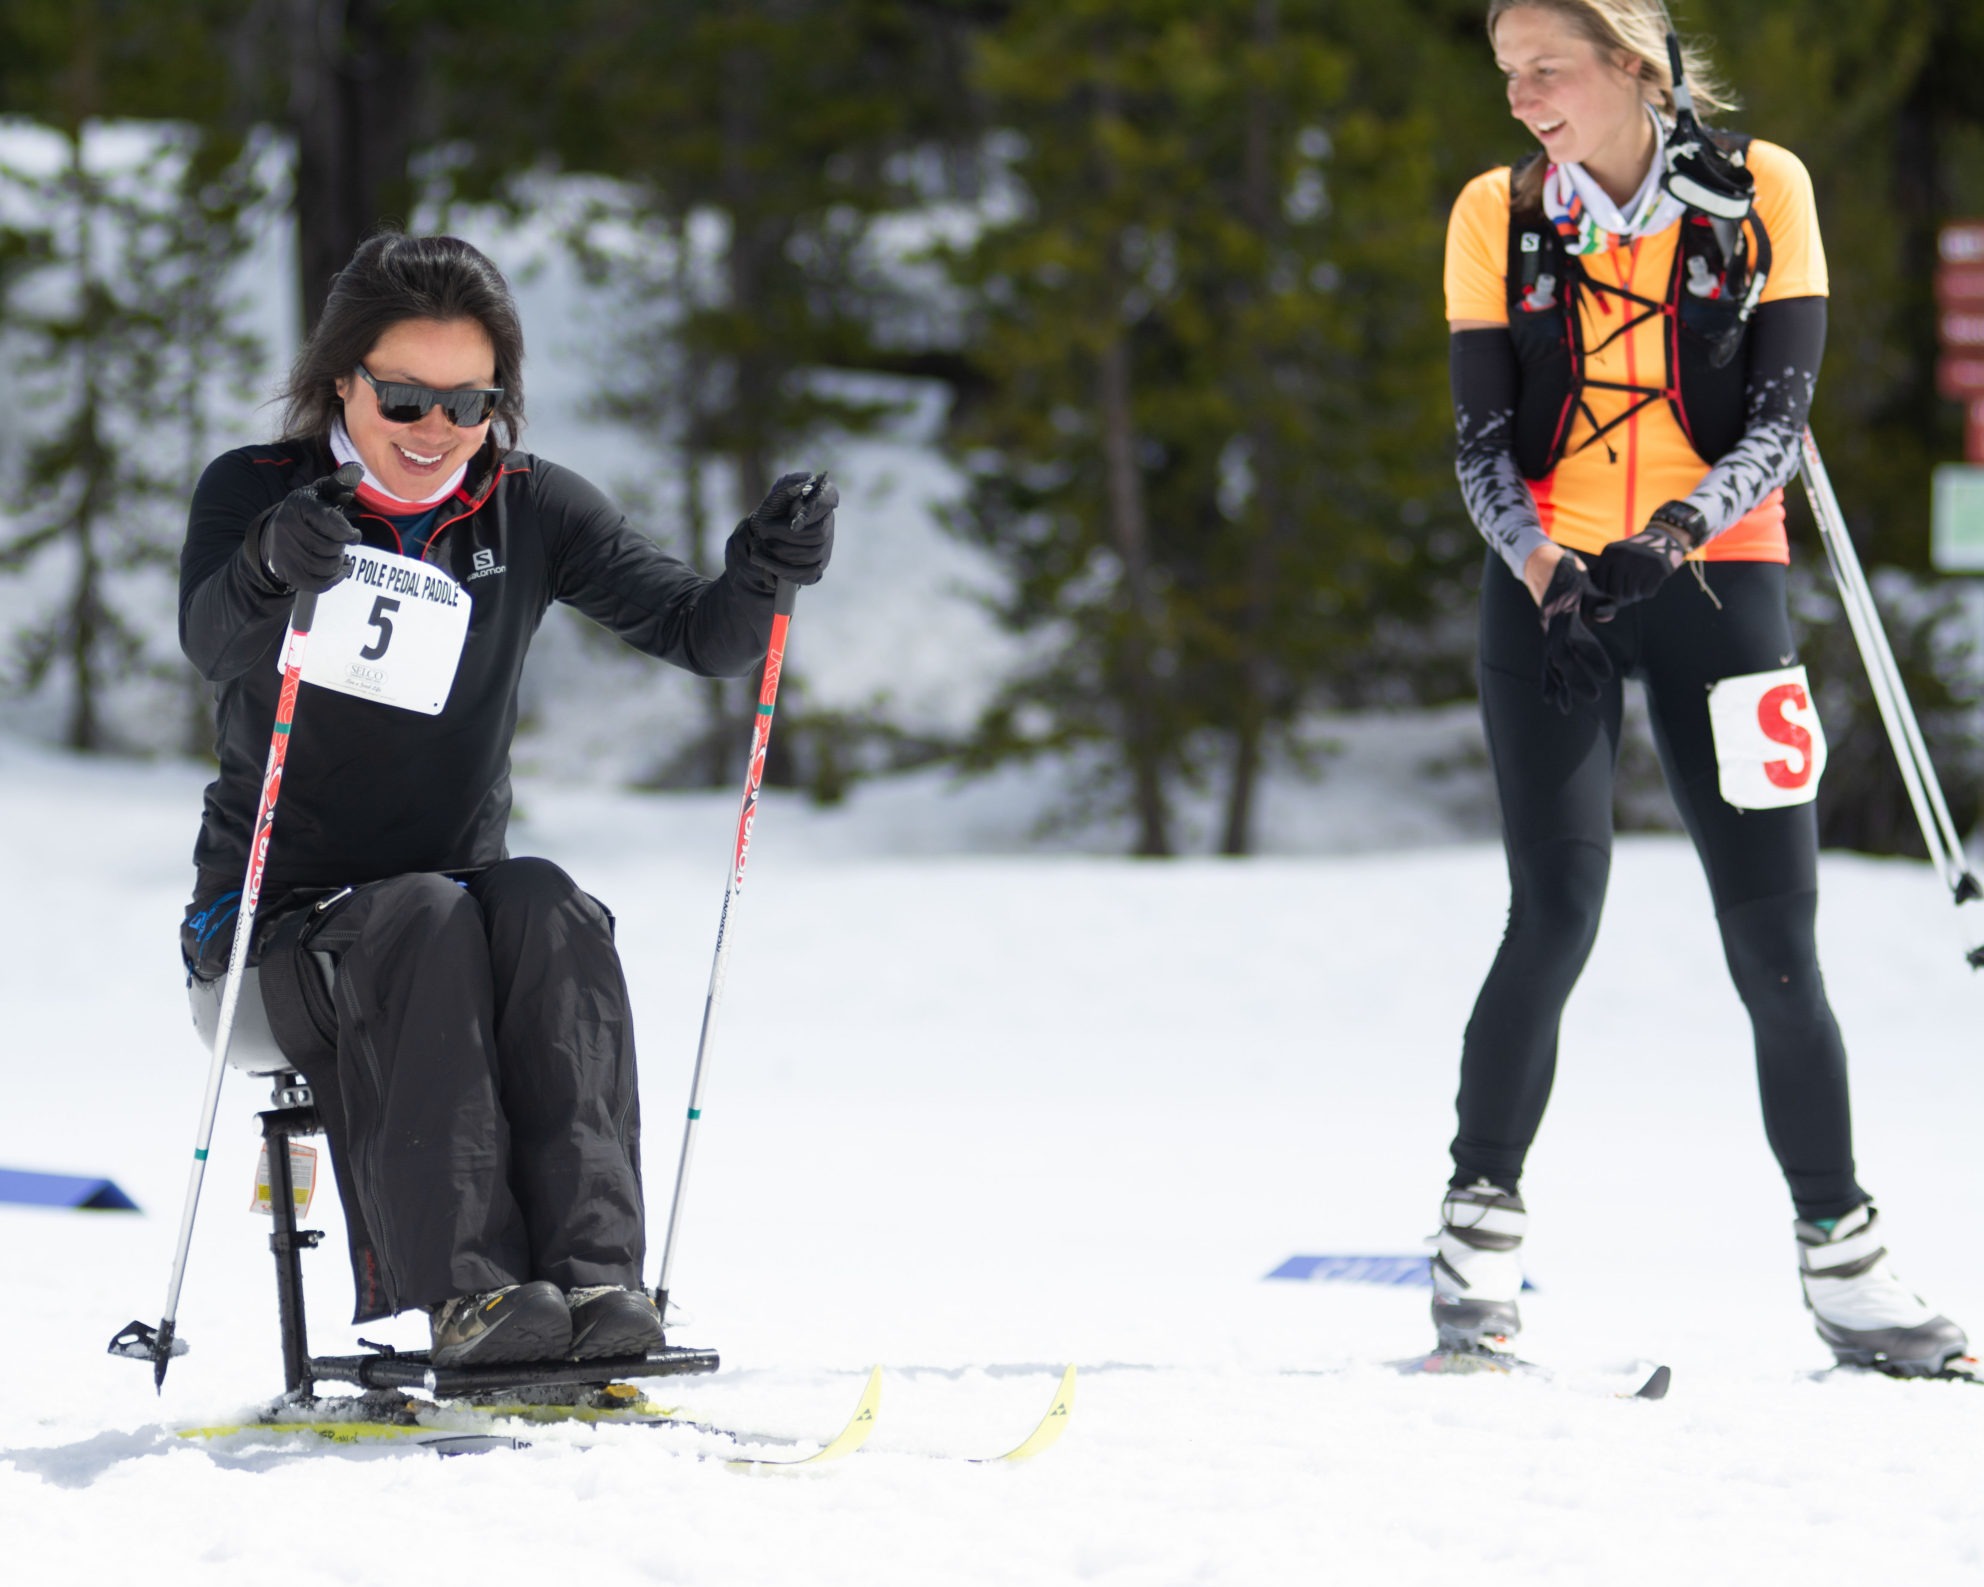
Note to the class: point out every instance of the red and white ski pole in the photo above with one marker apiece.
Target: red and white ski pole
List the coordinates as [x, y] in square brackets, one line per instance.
[135, 1339]
[754, 777]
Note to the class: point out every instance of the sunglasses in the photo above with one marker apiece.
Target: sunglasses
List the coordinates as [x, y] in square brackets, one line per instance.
[404, 404]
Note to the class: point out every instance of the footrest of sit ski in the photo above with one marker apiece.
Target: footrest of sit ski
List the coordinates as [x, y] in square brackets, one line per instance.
[413, 1370]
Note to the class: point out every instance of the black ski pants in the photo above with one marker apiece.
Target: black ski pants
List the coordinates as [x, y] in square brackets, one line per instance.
[1554, 774]
[472, 1053]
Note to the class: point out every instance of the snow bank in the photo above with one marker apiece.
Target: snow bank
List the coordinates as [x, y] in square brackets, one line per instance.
[978, 1115]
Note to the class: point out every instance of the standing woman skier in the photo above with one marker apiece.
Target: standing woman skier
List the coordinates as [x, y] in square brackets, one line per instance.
[461, 1015]
[1631, 376]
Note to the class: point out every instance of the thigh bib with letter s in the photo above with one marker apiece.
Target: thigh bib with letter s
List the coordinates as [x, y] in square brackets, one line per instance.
[1769, 747]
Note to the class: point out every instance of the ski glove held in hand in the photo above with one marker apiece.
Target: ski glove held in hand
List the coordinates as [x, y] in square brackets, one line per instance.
[791, 535]
[1632, 569]
[1575, 665]
[303, 540]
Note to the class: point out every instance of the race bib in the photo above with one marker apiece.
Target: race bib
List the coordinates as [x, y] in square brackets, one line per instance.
[393, 632]
[1768, 742]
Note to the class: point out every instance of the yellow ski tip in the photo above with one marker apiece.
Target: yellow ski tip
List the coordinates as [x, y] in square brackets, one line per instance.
[1051, 1427]
[845, 1442]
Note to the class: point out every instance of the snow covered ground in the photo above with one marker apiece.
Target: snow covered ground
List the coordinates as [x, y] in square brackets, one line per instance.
[977, 1115]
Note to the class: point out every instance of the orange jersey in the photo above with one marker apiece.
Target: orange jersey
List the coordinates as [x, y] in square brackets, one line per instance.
[1603, 492]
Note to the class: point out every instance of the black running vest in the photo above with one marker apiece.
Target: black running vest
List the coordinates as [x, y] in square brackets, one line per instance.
[1711, 292]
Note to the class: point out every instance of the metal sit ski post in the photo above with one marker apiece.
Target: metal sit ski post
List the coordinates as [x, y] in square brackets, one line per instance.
[294, 1113]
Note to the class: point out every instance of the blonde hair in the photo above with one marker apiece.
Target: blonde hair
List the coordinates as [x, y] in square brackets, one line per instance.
[1630, 27]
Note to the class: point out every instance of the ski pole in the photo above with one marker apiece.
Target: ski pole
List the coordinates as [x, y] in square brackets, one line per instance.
[301, 617]
[754, 777]
[1911, 753]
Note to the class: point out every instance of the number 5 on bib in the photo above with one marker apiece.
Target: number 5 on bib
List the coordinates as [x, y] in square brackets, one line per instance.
[393, 632]
[1768, 743]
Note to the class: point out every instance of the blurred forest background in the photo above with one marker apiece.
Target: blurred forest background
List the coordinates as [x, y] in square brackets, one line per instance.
[1167, 273]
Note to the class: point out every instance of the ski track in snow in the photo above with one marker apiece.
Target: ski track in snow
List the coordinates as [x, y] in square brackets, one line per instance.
[974, 1117]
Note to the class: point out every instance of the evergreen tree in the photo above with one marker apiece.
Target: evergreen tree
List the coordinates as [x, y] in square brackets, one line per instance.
[117, 325]
[1207, 390]
[755, 145]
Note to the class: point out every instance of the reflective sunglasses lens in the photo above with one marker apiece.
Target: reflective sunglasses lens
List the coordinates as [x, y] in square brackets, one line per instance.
[404, 404]
[469, 408]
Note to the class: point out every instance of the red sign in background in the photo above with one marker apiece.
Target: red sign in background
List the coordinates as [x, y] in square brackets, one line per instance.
[1959, 286]
[1960, 379]
[1960, 325]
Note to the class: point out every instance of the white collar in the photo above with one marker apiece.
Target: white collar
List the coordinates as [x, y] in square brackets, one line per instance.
[345, 452]
[1650, 210]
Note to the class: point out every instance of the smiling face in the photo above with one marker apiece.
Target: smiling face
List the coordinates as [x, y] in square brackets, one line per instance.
[1582, 103]
[414, 460]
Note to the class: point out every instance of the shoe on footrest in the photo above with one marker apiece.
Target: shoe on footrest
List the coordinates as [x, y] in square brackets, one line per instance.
[519, 1322]
[611, 1322]
[1477, 1266]
[1860, 1308]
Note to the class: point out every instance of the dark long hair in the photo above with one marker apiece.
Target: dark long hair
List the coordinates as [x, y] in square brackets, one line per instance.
[392, 278]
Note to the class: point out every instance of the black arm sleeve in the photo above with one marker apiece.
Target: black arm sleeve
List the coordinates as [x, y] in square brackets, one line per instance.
[1485, 375]
[1787, 340]
[231, 610]
[624, 582]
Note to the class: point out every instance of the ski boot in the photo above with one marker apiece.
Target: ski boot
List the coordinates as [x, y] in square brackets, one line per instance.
[1861, 1309]
[1477, 1267]
[519, 1322]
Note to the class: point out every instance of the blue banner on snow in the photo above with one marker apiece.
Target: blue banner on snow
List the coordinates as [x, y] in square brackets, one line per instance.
[62, 1190]
[1414, 1271]
[1410, 1272]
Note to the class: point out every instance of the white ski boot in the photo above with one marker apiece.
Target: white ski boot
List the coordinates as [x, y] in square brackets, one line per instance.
[1861, 1309]
[1477, 1266]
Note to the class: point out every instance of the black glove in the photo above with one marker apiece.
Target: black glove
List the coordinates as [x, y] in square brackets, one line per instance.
[1575, 665]
[791, 535]
[303, 540]
[1632, 569]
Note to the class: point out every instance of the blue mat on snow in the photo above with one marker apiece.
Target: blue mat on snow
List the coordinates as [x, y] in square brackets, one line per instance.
[1411, 1272]
[62, 1190]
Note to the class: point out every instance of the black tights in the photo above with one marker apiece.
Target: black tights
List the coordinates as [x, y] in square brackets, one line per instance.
[1554, 776]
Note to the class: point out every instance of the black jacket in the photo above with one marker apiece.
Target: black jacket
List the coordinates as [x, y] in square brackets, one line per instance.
[372, 791]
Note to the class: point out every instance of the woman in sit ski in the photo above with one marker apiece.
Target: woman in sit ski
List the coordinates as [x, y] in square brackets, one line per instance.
[461, 1015]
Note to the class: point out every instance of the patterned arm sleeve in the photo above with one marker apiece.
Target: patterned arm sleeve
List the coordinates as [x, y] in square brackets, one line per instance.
[1483, 368]
[1786, 344]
